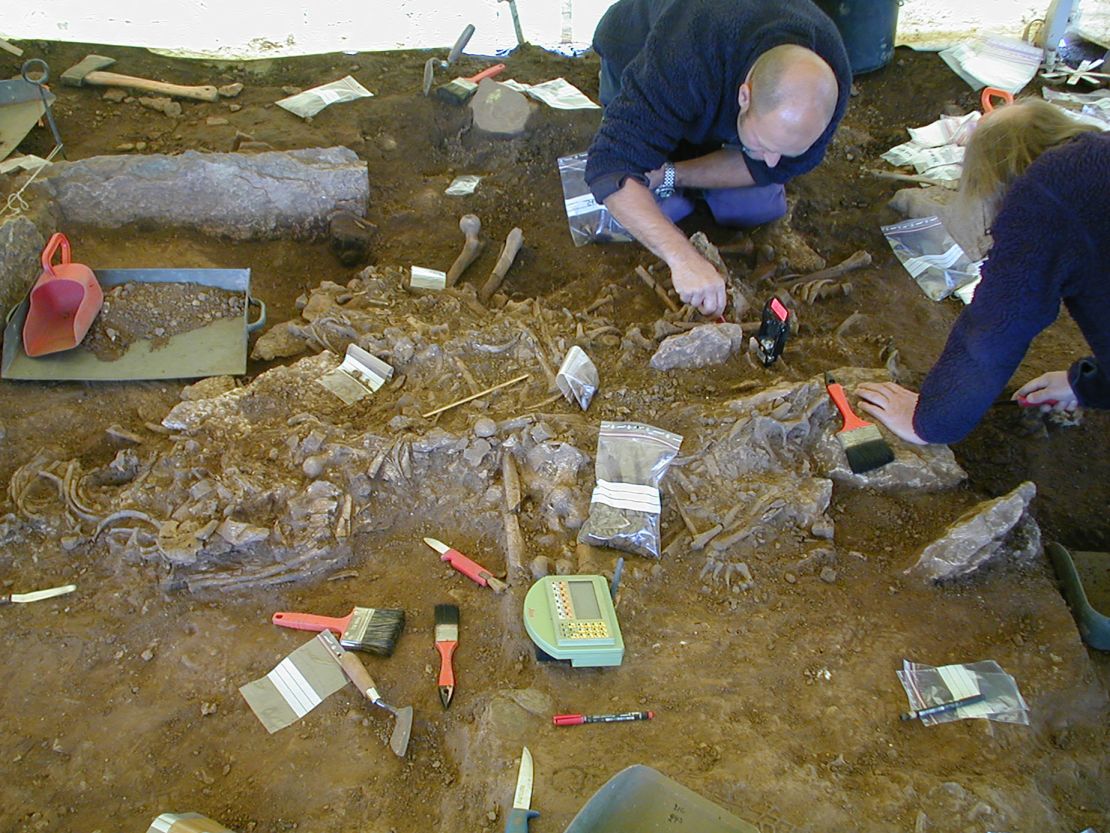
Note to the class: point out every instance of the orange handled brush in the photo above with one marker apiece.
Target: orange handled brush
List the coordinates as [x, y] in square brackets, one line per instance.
[862, 443]
[363, 629]
[447, 639]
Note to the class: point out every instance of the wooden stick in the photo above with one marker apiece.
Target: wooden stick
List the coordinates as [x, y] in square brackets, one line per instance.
[504, 262]
[660, 291]
[10, 47]
[857, 260]
[480, 393]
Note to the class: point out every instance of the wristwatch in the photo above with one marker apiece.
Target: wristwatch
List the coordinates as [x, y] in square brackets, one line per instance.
[666, 188]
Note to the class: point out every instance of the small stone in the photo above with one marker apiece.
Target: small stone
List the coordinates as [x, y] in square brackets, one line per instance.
[313, 467]
[234, 108]
[290, 90]
[216, 121]
[790, 578]
[207, 709]
[564, 567]
[541, 566]
[828, 575]
[147, 655]
[485, 427]
[230, 90]
[115, 94]
[126, 147]
[140, 146]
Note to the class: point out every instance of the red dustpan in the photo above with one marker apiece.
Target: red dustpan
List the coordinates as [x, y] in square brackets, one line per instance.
[64, 301]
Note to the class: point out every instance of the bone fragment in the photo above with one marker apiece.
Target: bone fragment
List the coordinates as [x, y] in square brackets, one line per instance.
[513, 242]
[856, 260]
[469, 225]
[514, 542]
[704, 538]
[510, 481]
[659, 290]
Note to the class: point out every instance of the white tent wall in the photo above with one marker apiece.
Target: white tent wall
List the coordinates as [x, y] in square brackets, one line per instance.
[215, 28]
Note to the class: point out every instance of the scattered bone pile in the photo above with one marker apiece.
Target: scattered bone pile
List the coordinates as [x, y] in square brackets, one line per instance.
[273, 481]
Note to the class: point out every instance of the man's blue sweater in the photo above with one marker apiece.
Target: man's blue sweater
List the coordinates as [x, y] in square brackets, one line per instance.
[681, 64]
[1051, 244]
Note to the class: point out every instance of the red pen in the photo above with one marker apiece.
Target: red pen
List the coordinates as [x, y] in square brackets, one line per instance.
[579, 719]
[471, 569]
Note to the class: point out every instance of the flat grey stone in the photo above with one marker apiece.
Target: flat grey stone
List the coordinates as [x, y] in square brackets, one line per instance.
[499, 110]
[992, 530]
[21, 247]
[241, 196]
[703, 346]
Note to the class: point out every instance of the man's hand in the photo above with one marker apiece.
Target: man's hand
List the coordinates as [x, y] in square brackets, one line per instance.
[1049, 391]
[893, 406]
[699, 284]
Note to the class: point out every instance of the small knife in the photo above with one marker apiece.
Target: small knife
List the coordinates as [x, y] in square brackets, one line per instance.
[522, 813]
[37, 595]
[471, 569]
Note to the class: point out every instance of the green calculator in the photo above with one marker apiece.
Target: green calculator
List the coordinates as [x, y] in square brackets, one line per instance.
[572, 618]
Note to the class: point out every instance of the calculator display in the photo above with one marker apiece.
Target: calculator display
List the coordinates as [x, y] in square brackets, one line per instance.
[584, 601]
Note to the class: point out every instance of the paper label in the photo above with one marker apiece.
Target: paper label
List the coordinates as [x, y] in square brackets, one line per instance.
[427, 278]
[962, 685]
[298, 684]
[632, 496]
[582, 204]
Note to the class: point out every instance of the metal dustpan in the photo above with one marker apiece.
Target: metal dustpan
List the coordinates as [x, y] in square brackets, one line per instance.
[21, 106]
[640, 800]
[63, 303]
[219, 348]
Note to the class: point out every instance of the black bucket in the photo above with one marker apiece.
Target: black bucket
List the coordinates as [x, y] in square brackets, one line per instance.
[867, 27]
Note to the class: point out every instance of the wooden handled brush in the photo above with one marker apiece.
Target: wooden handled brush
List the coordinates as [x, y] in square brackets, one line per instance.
[862, 443]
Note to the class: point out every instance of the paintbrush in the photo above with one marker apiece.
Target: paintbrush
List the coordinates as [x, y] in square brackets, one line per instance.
[863, 445]
[365, 629]
[460, 90]
[447, 639]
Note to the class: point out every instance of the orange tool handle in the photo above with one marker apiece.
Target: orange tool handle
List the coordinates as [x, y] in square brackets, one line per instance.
[489, 72]
[310, 622]
[446, 669]
[57, 239]
[836, 392]
[989, 93]
[471, 569]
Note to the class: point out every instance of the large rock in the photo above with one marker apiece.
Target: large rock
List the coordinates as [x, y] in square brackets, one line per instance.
[242, 196]
[21, 245]
[992, 530]
[499, 111]
[702, 346]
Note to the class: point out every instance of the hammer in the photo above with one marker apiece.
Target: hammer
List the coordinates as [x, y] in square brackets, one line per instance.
[88, 72]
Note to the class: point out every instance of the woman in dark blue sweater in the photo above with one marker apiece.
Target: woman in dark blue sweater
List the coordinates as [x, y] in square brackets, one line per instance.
[1045, 179]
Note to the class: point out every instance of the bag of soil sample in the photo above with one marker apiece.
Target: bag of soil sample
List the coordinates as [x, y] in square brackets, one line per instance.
[589, 220]
[624, 509]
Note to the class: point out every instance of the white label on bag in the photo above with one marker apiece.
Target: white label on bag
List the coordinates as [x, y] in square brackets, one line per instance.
[582, 204]
[633, 496]
[294, 688]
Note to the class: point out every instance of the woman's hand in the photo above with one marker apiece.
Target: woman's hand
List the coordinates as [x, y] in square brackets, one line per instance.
[1049, 392]
[893, 406]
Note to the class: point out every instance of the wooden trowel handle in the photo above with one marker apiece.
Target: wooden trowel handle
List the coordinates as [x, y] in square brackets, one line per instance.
[112, 79]
[358, 675]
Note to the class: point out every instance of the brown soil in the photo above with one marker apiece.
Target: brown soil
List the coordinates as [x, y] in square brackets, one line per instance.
[155, 312]
[121, 700]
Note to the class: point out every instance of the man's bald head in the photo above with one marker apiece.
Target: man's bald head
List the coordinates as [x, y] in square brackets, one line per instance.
[789, 96]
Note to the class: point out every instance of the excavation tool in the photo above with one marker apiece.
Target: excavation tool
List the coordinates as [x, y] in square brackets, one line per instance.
[354, 669]
[863, 445]
[471, 569]
[522, 811]
[773, 330]
[64, 301]
[447, 639]
[364, 629]
[431, 64]
[36, 72]
[573, 618]
[37, 595]
[89, 72]
[461, 90]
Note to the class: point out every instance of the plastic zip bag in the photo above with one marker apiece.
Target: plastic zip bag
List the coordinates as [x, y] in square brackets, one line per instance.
[589, 220]
[931, 256]
[624, 509]
[928, 686]
[577, 378]
[310, 102]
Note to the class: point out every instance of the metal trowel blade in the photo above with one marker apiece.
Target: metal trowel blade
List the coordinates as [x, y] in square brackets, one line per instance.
[402, 729]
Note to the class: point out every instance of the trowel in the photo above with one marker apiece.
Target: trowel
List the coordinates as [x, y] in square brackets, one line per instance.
[356, 672]
[432, 64]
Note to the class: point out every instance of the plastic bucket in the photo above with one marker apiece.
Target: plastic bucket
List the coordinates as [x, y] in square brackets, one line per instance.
[867, 27]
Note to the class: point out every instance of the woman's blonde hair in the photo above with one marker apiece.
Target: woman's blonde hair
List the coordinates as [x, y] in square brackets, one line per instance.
[1007, 142]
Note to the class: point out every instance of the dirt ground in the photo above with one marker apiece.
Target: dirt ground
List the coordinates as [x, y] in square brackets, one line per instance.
[781, 704]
